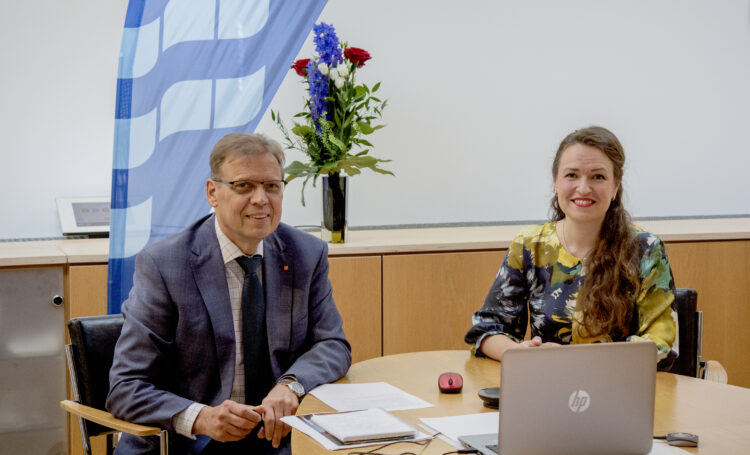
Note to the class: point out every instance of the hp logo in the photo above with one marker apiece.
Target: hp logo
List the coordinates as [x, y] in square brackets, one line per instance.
[579, 401]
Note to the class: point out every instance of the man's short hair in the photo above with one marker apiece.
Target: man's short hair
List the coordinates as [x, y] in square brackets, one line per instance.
[244, 144]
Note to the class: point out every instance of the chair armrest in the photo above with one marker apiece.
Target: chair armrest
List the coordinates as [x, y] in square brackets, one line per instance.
[712, 370]
[108, 420]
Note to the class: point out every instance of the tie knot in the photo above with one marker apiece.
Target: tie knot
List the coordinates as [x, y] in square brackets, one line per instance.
[249, 263]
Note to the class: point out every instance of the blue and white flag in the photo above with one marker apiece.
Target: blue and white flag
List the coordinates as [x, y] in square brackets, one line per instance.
[191, 71]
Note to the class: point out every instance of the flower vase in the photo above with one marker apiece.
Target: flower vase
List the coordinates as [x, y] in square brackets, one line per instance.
[335, 198]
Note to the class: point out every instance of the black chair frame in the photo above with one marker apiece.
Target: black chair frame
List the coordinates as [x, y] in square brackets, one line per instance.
[89, 356]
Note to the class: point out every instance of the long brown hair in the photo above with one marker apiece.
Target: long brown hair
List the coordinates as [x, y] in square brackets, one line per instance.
[612, 280]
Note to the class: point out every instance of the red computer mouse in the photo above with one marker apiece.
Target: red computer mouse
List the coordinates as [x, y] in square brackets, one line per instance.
[450, 382]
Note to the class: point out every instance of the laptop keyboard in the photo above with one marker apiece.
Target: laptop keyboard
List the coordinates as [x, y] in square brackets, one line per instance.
[492, 447]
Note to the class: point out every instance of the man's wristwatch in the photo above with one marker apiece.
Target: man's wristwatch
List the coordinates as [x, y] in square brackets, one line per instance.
[293, 384]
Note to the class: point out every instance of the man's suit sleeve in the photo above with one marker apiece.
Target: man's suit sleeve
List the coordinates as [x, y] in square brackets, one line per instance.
[329, 355]
[141, 371]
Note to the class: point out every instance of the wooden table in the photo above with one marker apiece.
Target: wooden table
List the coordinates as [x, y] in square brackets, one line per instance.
[718, 413]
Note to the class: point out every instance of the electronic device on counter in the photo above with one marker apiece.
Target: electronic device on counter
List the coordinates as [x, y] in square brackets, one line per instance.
[84, 216]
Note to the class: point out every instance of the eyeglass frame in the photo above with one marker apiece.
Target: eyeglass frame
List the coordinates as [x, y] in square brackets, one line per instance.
[231, 183]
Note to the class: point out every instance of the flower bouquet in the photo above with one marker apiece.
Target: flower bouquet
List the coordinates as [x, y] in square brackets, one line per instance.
[338, 112]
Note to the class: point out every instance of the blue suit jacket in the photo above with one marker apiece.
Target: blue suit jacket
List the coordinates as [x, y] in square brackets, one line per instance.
[178, 346]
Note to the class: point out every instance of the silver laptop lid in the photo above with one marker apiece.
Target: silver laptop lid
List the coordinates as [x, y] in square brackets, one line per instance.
[578, 399]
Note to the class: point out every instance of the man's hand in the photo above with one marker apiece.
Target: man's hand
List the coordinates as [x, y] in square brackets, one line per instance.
[229, 421]
[279, 402]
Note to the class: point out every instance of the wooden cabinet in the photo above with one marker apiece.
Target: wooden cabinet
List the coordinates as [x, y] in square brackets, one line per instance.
[428, 299]
[394, 303]
[356, 285]
[720, 272]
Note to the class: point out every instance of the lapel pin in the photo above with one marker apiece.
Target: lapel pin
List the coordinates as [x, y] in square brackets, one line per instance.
[286, 267]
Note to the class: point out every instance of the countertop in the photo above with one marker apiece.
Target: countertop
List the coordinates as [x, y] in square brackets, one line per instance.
[384, 241]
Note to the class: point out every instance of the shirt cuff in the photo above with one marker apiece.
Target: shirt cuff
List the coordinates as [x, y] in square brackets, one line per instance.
[475, 348]
[183, 421]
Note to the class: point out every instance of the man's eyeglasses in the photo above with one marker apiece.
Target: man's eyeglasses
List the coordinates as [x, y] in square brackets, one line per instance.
[245, 187]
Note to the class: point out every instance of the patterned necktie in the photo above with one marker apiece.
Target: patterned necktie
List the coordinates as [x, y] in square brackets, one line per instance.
[258, 377]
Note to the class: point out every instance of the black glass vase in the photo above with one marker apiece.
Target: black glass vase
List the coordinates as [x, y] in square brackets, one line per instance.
[335, 197]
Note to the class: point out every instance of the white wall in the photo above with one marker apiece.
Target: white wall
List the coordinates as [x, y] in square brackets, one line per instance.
[481, 93]
[57, 98]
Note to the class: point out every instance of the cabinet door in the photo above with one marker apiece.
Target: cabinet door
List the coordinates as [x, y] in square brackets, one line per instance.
[428, 299]
[719, 272]
[87, 289]
[356, 285]
[32, 366]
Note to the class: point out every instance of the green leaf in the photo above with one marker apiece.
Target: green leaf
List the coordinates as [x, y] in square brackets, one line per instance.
[347, 122]
[297, 169]
[360, 91]
[302, 130]
[352, 170]
[376, 87]
[382, 171]
[334, 140]
[365, 128]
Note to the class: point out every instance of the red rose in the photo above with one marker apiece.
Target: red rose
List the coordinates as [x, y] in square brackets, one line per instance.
[357, 56]
[300, 66]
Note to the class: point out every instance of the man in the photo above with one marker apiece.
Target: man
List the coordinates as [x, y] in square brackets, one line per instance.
[180, 360]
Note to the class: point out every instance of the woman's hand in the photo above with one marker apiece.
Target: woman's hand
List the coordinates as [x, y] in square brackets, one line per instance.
[532, 343]
[494, 346]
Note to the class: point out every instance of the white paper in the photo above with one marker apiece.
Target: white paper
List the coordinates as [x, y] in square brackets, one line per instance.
[369, 424]
[299, 423]
[464, 425]
[352, 397]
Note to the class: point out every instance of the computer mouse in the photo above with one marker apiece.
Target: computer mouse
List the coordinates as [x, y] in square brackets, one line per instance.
[450, 382]
[682, 439]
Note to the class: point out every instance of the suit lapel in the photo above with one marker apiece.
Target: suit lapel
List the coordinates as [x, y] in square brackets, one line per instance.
[278, 285]
[210, 277]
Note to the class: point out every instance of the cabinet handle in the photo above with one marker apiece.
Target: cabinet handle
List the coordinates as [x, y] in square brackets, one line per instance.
[57, 300]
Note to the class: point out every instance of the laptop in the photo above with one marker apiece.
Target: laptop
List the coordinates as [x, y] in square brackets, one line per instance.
[575, 399]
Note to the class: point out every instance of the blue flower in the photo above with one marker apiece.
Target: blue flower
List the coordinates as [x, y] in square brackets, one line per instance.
[318, 92]
[327, 44]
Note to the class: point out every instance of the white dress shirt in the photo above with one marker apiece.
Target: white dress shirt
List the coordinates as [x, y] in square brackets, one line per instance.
[183, 421]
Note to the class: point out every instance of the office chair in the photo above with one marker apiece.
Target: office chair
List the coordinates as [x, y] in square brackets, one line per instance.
[90, 356]
[690, 321]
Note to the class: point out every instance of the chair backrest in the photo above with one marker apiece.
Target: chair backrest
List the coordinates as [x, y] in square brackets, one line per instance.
[91, 351]
[688, 362]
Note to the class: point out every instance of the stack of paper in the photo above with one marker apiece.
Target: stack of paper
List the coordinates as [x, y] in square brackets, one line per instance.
[365, 425]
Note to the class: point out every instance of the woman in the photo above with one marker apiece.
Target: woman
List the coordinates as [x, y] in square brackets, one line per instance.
[588, 275]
